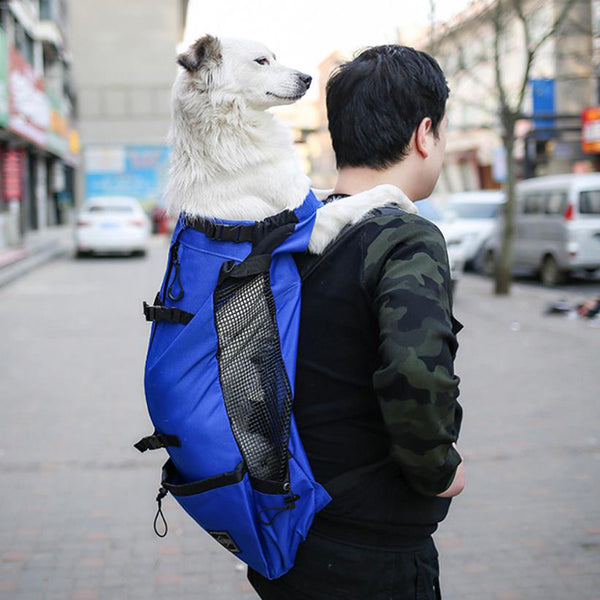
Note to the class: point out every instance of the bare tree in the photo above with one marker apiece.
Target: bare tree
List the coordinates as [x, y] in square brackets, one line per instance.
[510, 110]
[502, 19]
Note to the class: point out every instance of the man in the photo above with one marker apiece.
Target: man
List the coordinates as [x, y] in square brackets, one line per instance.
[375, 386]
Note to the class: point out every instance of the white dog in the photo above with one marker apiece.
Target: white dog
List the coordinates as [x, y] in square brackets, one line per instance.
[233, 160]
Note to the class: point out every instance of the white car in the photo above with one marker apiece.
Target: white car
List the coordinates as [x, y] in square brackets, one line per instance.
[112, 224]
[455, 243]
[472, 216]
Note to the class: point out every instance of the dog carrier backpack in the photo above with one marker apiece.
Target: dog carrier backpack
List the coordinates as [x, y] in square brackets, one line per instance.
[219, 382]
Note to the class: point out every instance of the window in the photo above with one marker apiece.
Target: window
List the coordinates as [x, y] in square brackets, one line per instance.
[556, 203]
[46, 9]
[532, 204]
[475, 210]
[119, 208]
[589, 202]
[24, 43]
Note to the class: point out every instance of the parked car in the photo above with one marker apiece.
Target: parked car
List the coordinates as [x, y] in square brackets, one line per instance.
[455, 243]
[112, 224]
[473, 216]
[557, 227]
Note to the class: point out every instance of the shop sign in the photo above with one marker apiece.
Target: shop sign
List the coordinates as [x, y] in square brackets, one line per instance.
[590, 130]
[139, 171]
[3, 79]
[29, 105]
[12, 174]
[57, 140]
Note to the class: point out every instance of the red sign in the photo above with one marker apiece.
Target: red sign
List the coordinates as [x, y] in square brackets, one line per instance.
[12, 174]
[590, 130]
[29, 106]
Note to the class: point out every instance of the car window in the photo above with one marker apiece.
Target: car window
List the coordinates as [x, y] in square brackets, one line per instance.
[475, 210]
[532, 204]
[121, 208]
[589, 202]
[556, 203]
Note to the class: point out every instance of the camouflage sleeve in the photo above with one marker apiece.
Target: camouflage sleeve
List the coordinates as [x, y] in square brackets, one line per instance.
[415, 381]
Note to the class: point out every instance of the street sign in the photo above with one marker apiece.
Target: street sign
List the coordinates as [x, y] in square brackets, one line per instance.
[590, 130]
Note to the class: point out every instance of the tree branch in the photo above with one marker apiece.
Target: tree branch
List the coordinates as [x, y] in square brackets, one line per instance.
[496, 20]
[566, 7]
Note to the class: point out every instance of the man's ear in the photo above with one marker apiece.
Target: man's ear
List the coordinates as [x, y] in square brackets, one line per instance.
[204, 50]
[422, 137]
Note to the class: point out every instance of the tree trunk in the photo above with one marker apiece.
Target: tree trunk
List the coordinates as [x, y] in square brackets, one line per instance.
[503, 274]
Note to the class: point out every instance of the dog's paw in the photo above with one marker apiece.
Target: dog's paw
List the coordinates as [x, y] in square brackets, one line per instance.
[334, 216]
[381, 195]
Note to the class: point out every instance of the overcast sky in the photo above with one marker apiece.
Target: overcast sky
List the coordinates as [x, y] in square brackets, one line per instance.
[305, 32]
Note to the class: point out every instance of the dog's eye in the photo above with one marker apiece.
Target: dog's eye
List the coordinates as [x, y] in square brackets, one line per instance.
[262, 61]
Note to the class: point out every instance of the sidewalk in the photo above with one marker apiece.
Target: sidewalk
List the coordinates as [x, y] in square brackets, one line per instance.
[38, 248]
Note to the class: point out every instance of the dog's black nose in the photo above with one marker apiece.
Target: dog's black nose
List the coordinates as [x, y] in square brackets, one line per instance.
[305, 79]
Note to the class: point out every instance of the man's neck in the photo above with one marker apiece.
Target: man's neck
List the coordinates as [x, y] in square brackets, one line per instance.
[352, 180]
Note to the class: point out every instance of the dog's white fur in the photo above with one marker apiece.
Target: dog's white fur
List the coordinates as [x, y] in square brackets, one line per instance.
[233, 160]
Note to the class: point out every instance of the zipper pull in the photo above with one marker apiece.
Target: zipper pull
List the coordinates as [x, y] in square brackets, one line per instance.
[177, 277]
[162, 492]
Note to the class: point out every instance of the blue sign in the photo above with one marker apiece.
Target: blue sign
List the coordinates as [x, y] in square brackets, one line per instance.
[138, 171]
[542, 93]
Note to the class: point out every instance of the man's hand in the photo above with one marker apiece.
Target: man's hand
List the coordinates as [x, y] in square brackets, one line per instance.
[458, 483]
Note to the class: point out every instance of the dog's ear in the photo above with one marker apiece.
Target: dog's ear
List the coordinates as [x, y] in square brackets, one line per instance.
[206, 49]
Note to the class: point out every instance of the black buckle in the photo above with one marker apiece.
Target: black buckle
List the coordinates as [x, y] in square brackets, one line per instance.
[167, 313]
[156, 441]
[149, 312]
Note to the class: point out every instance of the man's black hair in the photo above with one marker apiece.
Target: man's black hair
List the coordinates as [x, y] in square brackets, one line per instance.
[376, 102]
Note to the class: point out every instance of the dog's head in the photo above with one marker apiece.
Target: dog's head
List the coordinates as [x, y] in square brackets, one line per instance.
[241, 70]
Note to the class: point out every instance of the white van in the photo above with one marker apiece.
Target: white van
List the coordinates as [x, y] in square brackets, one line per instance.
[557, 227]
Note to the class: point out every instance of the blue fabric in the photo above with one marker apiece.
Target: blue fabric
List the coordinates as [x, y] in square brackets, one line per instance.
[184, 397]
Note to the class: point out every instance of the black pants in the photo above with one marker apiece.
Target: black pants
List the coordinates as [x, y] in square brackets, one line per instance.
[326, 569]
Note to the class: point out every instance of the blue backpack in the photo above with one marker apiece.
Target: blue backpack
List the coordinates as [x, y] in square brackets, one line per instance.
[219, 382]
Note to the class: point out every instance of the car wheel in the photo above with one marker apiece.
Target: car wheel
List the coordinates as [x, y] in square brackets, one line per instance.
[550, 272]
[82, 254]
[488, 263]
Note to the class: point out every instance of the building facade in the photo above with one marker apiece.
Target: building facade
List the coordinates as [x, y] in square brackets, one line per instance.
[39, 141]
[124, 66]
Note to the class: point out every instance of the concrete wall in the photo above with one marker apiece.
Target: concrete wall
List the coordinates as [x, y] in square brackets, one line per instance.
[124, 65]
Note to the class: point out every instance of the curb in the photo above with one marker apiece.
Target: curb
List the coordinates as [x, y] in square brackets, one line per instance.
[17, 269]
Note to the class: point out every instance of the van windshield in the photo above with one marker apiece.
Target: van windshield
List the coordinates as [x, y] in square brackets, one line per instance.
[589, 202]
[472, 210]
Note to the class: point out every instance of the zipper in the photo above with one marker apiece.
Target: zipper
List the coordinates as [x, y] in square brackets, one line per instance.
[174, 263]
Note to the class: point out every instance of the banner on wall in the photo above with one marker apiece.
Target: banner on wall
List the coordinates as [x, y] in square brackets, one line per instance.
[29, 105]
[138, 171]
[4, 106]
[590, 130]
[542, 96]
[12, 174]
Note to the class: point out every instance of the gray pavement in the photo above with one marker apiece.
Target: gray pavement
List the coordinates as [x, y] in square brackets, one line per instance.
[77, 500]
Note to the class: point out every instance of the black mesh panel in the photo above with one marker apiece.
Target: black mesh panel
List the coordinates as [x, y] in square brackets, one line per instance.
[257, 393]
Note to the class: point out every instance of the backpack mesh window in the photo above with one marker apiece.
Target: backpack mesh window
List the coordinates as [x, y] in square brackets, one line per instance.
[255, 386]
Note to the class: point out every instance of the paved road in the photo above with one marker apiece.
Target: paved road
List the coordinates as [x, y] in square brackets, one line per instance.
[77, 501]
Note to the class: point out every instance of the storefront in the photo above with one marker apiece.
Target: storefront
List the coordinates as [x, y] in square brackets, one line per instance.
[38, 149]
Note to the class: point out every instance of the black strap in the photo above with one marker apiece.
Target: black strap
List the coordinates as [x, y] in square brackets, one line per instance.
[241, 233]
[220, 232]
[157, 440]
[167, 313]
[350, 479]
[171, 480]
[259, 260]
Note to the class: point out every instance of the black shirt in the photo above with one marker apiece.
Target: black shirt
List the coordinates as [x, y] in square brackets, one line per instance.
[375, 378]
